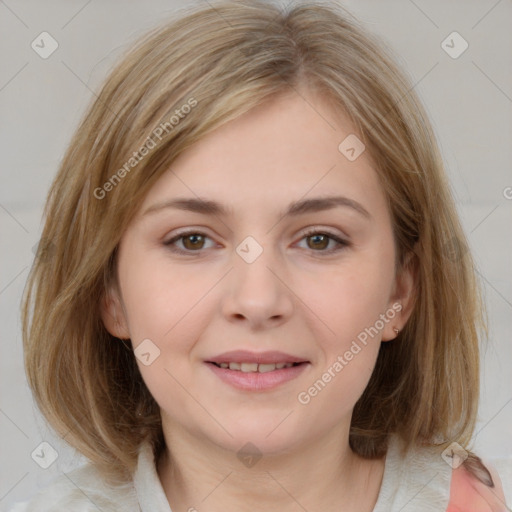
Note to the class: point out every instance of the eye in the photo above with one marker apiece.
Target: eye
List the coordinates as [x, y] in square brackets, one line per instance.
[319, 240]
[192, 241]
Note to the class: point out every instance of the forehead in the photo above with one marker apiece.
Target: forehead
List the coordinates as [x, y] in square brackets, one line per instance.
[281, 151]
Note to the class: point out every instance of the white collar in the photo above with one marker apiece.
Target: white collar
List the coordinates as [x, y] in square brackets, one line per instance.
[420, 481]
[147, 484]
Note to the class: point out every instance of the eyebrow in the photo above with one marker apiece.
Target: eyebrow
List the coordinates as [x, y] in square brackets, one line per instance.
[209, 207]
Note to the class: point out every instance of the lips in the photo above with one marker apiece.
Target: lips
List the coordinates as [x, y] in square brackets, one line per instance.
[259, 358]
[255, 367]
[257, 371]
[257, 377]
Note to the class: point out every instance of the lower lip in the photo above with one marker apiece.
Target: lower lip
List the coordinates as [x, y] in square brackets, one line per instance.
[256, 381]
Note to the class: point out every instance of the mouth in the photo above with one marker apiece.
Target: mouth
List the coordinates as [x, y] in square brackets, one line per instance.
[256, 372]
[255, 367]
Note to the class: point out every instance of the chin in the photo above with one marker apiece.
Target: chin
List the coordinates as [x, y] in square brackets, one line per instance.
[260, 436]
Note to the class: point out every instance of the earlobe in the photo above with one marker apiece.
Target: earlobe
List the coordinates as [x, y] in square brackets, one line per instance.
[394, 326]
[113, 316]
[402, 300]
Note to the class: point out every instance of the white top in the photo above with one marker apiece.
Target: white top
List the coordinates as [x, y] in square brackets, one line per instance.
[419, 482]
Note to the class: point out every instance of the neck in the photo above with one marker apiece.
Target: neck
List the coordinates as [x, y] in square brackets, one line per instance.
[324, 475]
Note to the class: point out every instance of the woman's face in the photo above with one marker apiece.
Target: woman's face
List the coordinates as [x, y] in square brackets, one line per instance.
[258, 267]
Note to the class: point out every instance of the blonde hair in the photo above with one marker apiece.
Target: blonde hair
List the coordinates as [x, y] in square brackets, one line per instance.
[222, 61]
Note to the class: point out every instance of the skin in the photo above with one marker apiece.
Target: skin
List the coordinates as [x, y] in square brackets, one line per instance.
[294, 297]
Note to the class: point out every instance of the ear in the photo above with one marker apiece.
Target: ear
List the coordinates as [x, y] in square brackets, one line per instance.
[113, 314]
[402, 299]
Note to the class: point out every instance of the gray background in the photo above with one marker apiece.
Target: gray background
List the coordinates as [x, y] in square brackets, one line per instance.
[469, 100]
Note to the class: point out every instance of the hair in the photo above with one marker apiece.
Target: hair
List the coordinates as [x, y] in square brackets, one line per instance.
[204, 68]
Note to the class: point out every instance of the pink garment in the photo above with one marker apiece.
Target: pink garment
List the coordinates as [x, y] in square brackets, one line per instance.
[468, 494]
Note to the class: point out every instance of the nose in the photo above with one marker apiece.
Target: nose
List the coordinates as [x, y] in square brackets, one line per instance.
[257, 293]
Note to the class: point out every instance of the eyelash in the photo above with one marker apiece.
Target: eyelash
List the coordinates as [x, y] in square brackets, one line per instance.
[341, 244]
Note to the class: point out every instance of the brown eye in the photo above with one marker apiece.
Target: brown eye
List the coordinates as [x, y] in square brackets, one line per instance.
[193, 241]
[318, 241]
[189, 242]
[323, 242]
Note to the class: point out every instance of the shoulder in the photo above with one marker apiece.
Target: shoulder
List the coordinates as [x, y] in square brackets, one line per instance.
[81, 490]
[476, 487]
[420, 479]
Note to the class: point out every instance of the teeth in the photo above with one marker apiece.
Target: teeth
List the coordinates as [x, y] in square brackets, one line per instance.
[262, 368]
[248, 367]
[255, 367]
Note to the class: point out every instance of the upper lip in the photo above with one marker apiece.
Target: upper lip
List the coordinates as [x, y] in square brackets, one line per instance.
[245, 356]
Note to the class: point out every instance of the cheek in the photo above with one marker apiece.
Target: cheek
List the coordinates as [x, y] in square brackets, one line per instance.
[347, 329]
[349, 299]
[165, 306]
[170, 308]
[346, 307]
[159, 299]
